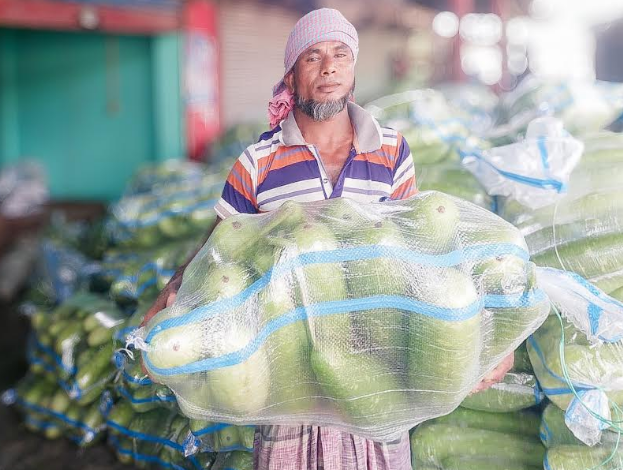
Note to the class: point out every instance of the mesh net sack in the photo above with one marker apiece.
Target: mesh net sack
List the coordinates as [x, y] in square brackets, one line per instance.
[371, 318]
[584, 106]
[48, 410]
[73, 345]
[140, 275]
[516, 391]
[578, 359]
[222, 437]
[132, 384]
[149, 219]
[434, 128]
[159, 438]
[554, 431]
[452, 178]
[582, 457]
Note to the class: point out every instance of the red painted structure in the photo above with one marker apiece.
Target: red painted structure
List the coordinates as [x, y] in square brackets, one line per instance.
[201, 76]
[70, 16]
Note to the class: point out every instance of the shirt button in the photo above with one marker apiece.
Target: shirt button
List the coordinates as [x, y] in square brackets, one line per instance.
[325, 180]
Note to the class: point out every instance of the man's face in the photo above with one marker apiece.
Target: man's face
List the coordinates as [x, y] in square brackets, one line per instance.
[323, 79]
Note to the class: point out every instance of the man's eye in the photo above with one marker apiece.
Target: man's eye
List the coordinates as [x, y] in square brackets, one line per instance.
[312, 59]
[341, 55]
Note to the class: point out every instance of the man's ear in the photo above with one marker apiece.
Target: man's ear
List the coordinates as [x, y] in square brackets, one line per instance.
[289, 81]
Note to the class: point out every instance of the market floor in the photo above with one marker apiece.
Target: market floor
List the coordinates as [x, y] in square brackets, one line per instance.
[23, 450]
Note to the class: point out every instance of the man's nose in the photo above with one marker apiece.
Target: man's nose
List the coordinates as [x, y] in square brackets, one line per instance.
[328, 65]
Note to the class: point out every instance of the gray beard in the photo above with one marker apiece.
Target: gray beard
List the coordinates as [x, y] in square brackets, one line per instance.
[321, 110]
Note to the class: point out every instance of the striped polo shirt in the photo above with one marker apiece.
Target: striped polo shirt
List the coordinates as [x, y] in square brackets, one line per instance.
[282, 166]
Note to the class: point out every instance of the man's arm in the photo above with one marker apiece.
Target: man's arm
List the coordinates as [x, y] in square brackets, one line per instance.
[403, 184]
[497, 374]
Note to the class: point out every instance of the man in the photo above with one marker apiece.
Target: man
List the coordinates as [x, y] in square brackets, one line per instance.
[322, 145]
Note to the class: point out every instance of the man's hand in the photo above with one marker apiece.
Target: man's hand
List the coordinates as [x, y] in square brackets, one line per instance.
[497, 374]
[165, 298]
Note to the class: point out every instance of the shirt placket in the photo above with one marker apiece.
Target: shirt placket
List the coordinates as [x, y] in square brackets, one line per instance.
[339, 184]
[325, 182]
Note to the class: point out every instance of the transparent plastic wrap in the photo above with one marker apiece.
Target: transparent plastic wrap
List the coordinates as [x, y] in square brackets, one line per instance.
[146, 220]
[554, 431]
[450, 447]
[48, 410]
[583, 106]
[156, 438]
[141, 394]
[582, 232]
[236, 460]
[73, 344]
[522, 423]
[475, 99]
[23, 190]
[62, 270]
[517, 391]
[132, 383]
[578, 360]
[371, 318]
[138, 389]
[583, 458]
[142, 276]
[222, 437]
[451, 178]
[534, 172]
[112, 266]
[433, 128]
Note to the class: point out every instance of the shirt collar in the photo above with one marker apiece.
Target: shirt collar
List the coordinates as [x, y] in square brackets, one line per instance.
[367, 129]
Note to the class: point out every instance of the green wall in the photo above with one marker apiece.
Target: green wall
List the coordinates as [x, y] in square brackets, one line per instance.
[90, 107]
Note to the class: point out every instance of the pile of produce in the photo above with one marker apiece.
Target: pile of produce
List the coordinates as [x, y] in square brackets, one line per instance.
[500, 428]
[437, 126]
[156, 437]
[583, 106]
[48, 410]
[93, 289]
[518, 390]
[149, 219]
[73, 346]
[478, 440]
[132, 276]
[582, 232]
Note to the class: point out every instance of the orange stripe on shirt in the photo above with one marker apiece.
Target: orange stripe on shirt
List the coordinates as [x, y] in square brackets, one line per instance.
[405, 190]
[376, 157]
[244, 185]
